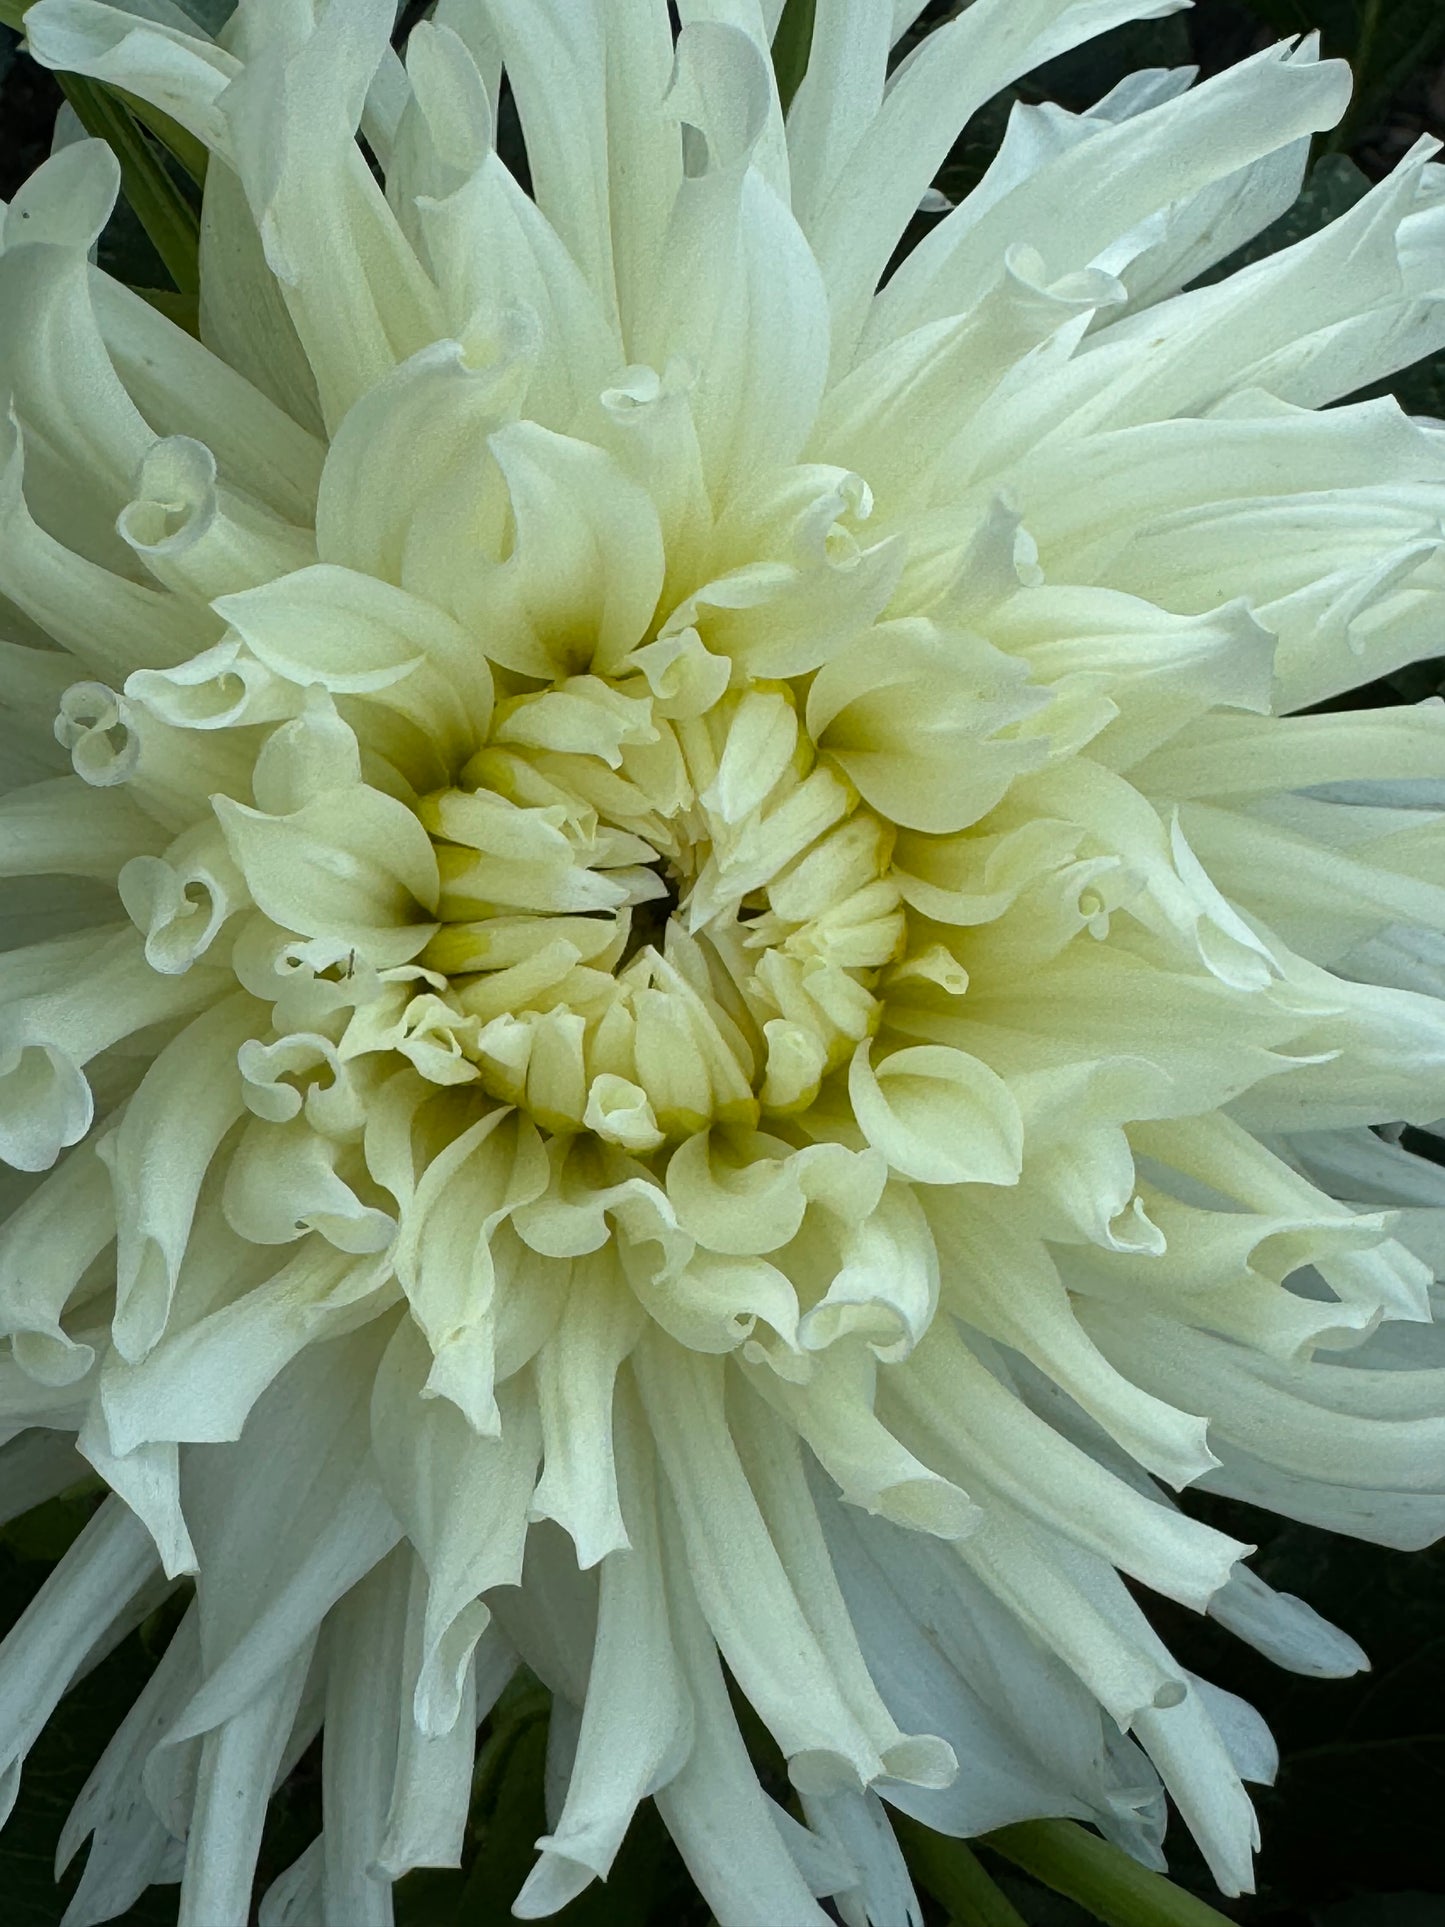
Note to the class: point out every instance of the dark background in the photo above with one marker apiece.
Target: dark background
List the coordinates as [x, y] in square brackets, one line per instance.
[1353, 1830]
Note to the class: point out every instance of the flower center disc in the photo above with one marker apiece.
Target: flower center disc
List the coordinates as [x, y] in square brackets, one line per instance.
[655, 914]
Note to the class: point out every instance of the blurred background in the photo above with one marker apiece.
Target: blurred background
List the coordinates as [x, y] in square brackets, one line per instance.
[1354, 1830]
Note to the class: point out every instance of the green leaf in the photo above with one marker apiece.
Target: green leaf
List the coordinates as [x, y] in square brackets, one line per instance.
[178, 141]
[792, 44]
[183, 309]
[509, 1834]
[163, 211]
[955, 1877]
[1116, 1889]
[190, 152]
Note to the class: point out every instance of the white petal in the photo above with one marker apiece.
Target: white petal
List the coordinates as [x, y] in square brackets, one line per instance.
[937, 1115]
[740, 294]
[1285, 1629]
[93, 1584]
[46, 1246]
[364, 1708]
[239, 1760]
[200, 1383]
[181, 71]
[746, 1593]
[637, 1721]
[1072, 209]
[992, 1443]
[428, 1457]
[356, 292]
[285, 1522]
[149, 1480]
[574, 1374]
[243, 318]
[837, 97]
[427, 1813]
[158, 1157]
[930, 96]
[112, 624]
[129, 1846]
[714, 1808]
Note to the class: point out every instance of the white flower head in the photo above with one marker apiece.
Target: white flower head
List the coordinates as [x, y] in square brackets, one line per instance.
[682, 983]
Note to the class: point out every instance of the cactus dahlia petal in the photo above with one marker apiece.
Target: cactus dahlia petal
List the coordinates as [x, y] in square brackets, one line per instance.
[684, 986]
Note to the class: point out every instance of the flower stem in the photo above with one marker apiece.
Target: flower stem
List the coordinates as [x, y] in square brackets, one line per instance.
[159, 205]
[1115, 1888]
[955, 1877]
[792, 44]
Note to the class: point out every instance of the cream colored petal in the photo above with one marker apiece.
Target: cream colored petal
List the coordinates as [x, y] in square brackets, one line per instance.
[739, 293]
[638, 1718]
[930, 96]
[358, 297]
[285, 1522]
[463, 1503]
[200, 1383]
[67, 828]
[355, 866]
[581, 582]
[199, 538]
[357, 636]
[1072, 208]
[1020, 1458]
[833, 1412]
[359, 1749]
[48, 1037]
[751, 1605]
[556, 61]
[53, 347]
[149, 54]
[901, 414]
[47, 1245]
[113, 625]
[158, 1157]
[574, 1374]
[915, 736]
[239, 1760]
[937, 1115]
[183, 388]
[714, 1808]
[837, 98]
[427, 1813]
[243, 318]
[1005, 1284]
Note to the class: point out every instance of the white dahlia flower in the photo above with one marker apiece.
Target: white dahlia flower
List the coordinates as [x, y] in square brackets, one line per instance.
[683, 990]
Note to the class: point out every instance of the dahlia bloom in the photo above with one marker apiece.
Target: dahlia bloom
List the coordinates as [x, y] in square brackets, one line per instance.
[682, 986]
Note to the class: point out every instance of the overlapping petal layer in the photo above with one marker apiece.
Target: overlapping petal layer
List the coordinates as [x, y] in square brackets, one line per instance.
[681, 983]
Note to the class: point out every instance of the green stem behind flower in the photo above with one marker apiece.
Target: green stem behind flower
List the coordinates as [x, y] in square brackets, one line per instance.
[955, 1877]
[1116, 1889]
[792, 44]
[178, 141]
[162, 210]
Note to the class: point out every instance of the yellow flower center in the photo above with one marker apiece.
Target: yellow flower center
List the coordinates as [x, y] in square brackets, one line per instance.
[651, 920]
